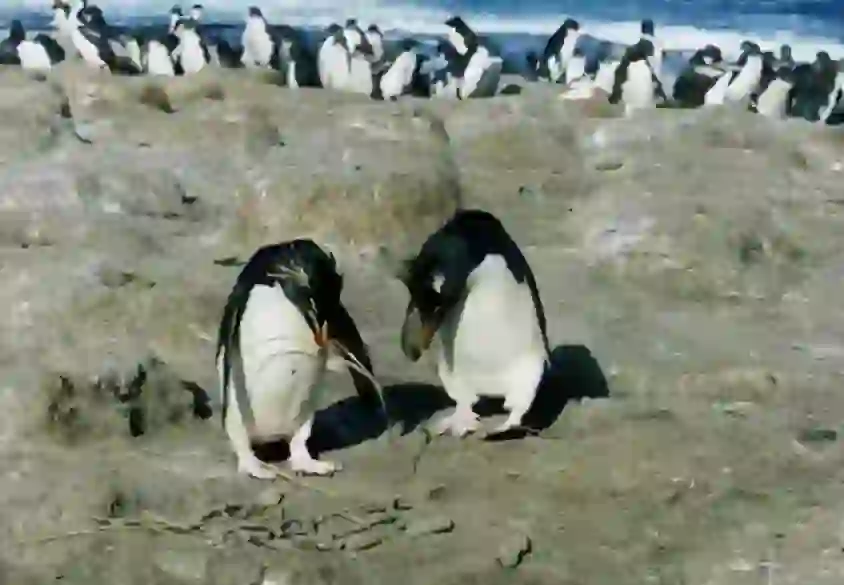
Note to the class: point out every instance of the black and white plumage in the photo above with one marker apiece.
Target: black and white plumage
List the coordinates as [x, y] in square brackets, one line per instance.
[472, 287]
[773, 100]
[478, 70]
[648, 31]
[701, 74]
[815, 92]
[38, 54]
[296, 61]
[404, 76]
[635, 84]
[260, 47]
[274, 347]
[191, 54]
[741, 80]
[559, 50]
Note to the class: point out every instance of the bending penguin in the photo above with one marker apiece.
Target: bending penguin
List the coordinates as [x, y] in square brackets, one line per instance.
[481, 71]
[404, 75]
[282, 328]
[635, 84]
[698, 78]
[39, 54]
[470, 285]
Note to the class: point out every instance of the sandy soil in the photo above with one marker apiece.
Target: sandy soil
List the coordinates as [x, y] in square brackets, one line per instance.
[691, 268]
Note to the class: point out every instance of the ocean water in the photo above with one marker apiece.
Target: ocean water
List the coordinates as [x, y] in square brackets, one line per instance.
[684, 25]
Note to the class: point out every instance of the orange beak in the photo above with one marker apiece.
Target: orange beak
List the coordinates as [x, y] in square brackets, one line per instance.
[321, 335]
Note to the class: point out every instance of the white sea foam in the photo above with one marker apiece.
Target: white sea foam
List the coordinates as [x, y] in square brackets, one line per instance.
[395, 17]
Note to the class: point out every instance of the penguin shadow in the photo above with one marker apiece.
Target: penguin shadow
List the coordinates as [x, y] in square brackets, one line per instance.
[574, 374]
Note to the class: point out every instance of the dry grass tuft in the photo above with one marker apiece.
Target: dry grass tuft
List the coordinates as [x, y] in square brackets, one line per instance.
[156, 97]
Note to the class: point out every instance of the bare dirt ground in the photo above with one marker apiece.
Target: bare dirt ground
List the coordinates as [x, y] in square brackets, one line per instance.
[691, 267]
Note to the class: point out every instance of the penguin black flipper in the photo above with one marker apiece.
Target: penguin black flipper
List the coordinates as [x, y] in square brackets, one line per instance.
[228, 336]
[54, 50]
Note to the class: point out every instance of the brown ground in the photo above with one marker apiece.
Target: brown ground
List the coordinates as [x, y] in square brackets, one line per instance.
[691, 262]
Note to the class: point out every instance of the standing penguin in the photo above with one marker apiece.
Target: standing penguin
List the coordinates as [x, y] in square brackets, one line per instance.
[773, 101]
[635, 83]
[39, 54]
[333, 59]
[698, 77]
[471, 285]
[376, 41]
[361, 78]
[403, 75]
[482, 70]
[283, 327]
[192, 53]
[259, 46]
[558, 51]
[86, 44]
[749, 76]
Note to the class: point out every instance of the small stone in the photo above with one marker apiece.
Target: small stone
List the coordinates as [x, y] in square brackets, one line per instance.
[373, 508]
[818, 435]
[364, 541]
[401, 504]
[270, 497]
[512, 552]
[437, 492]
[435, 525]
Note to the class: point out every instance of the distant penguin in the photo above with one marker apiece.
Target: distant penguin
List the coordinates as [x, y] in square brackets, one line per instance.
[635, 84]
[786, 59]
[376, 41]
[747, 80]
[472, 286]
[88, 45]
[814, 89]
[175, 16]
[277, 339]
[403, 74]
[773, 101]
[39, 54]
[647, 30]
[191, 53]
[296, 61]
[361, 78]
[558, 51]
[333, 59]
[701, 74]
[259, 46]
[481, 70]
[445, 70]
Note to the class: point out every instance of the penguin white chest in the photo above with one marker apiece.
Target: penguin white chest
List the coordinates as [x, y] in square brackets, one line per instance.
[334, 65]
[86, 49]
[282, 366]
[482, 75]
[746, 82]
[191, 56]
[718, 92]
[773, 100]
[606, 75]
[638, 89]
[257, 44]
[399, 76]
[575, 69]
[491, 343]
[158, 61]
[360, 75]
[33, 56]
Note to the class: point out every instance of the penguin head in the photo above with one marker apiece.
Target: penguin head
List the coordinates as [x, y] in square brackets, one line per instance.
[309, 279]
[17, 34]
[461, 37]
[436, 279]
[61, 14]
[647, 27]
[373, 29]
[196, 11]
[571, 24]
[785, 52]
[254, 12]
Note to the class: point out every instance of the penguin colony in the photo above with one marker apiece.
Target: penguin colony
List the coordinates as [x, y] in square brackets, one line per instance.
[464, 65]
[284, 326]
